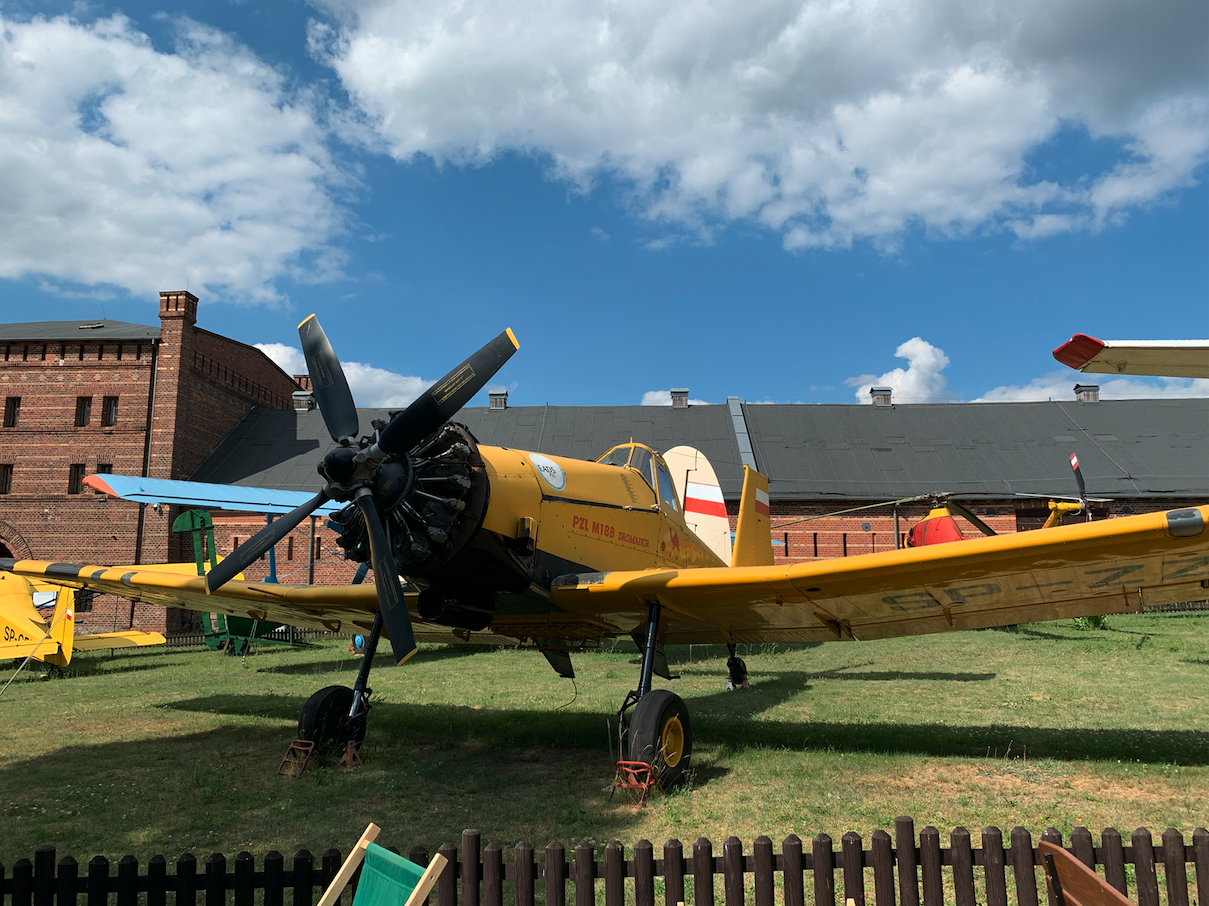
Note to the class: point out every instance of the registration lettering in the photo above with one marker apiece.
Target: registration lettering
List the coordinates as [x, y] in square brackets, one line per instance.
[606, 531]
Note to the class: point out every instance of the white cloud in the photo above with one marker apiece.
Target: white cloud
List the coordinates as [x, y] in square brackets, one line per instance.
[371, 387]
[664, 398]
[129, 167]
[825, 120]
[920, 382]
[1060, 385]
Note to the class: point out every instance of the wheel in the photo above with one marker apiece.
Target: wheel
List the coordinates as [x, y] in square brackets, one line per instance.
[662, 734]
[324, 720]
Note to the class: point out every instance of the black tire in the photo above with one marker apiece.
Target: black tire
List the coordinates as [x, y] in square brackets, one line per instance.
[661, 734]
[324, 720]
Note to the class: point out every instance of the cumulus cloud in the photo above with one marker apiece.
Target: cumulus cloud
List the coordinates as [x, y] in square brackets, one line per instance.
[824, 120]
[1060, 385]
[920, 382]
[371, 387]
[664, 398]
[134, 168]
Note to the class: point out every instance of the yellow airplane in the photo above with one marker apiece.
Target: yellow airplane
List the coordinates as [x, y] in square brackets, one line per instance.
[561, 553]
[25, 634]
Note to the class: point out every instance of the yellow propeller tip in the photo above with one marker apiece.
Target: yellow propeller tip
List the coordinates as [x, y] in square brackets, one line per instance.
[406, 657]
[304, 320]
[511, 336]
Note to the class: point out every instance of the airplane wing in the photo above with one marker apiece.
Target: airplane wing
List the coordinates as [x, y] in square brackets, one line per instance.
[201, 494]
[1110, 566]
[349, 608]
[128, 639]
[1165, 358]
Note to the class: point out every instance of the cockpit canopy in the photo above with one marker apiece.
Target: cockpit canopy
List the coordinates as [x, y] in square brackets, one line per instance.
[650, 465]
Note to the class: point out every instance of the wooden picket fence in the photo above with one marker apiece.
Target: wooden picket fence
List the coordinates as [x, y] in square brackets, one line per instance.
[899, 871]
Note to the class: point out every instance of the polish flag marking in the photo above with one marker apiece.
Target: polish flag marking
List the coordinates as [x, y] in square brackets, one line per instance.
[1074, 461]
[761, 502]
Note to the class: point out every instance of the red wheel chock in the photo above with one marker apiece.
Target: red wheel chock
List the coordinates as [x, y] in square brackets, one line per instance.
[635, 775]
[297, 757]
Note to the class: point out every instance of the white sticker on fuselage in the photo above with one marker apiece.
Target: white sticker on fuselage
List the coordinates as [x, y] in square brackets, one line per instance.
[549, 470]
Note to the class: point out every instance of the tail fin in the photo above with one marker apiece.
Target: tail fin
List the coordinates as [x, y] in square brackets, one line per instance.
[63, 627]
[753, 533]
[704, 509]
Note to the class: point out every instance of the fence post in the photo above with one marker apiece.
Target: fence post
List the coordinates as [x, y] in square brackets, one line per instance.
[157, 881]
[614, 874]
[304, 881]
[23, 882]
[852, 858]
[44, 876]
[703, 872]
[556, 874]
[98, 881]
[128, 881]
[673, 873]
[1082, 847]
[524, 877]
[792, 867]
[732, 872]
[992, 866]
[1114, 859]
[765, 866]
[493, 875]
[824, 870]
[929, 866]
[471, 857]
[274, 879]
[644, 873]
[186, 880]
[1200, 858]
[908, 861]
[417, 856]
[245, 870]
[1143, 866]
[216, 880]
[65, 882]
[1174, 871]
[882, 856]
[1022, 855]
[329, 867]
[585, 874]
[963, 866]
[447, 883]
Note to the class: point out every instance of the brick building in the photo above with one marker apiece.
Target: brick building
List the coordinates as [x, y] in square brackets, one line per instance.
[108, 396]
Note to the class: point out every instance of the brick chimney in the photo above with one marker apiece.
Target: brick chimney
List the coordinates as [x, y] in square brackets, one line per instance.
[303, 381]
[181, 304]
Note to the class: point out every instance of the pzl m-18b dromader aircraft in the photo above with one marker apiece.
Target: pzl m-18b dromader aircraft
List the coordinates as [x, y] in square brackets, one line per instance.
[560, 552]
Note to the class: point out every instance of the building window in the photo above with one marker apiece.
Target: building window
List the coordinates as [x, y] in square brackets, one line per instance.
[75, 478]
[109, 411]
[12, 411]
[6, 478]
[104, 468]
[83, 411]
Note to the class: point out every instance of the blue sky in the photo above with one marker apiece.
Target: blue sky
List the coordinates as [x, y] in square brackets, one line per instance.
[785, 201]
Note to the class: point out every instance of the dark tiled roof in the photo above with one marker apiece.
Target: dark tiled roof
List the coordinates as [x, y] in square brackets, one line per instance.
[1128, 448]
[76, 331]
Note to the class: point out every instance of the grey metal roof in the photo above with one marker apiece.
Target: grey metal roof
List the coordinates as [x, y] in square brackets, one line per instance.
[77, 331]
[1127, 448]
[280, 448]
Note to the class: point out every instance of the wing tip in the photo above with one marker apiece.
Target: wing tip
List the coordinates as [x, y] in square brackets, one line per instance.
[1078, 351]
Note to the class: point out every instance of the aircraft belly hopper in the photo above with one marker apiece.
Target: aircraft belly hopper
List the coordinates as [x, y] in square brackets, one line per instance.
[563, 552]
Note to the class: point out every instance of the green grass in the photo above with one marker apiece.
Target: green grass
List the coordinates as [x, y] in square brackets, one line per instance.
[168, 751]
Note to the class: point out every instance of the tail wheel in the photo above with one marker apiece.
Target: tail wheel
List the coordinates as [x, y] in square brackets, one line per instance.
[661, 734]
[325, 722]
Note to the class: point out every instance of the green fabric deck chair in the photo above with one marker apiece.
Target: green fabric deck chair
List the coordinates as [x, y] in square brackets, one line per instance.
[387, 879]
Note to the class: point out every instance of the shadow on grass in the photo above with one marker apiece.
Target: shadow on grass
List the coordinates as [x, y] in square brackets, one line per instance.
[382, 659]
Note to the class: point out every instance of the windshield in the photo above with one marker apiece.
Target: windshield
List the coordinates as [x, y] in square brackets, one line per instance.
[667, 491]
[640, 462]
[618, 456]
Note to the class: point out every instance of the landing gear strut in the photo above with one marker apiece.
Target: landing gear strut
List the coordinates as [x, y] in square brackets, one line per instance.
[336, 715]
[658, 731]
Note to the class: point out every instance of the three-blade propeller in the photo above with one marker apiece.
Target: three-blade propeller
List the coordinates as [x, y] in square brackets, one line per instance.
[350, 468]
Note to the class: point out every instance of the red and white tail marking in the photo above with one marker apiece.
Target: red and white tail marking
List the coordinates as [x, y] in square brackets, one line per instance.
[1074, 461]
[704, 500]
[761, 501]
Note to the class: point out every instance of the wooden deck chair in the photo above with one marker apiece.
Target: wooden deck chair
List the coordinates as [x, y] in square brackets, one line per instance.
[387, 878]
[1071, 883]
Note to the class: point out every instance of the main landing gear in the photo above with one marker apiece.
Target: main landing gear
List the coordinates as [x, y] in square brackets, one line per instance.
[658, 731]
[335, 716]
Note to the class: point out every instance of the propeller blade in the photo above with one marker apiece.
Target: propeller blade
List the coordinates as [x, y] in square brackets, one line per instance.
[438, 403]
[386, 579]
[328, 383]
[971, 518]
[254, 548]
[1074, 464]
